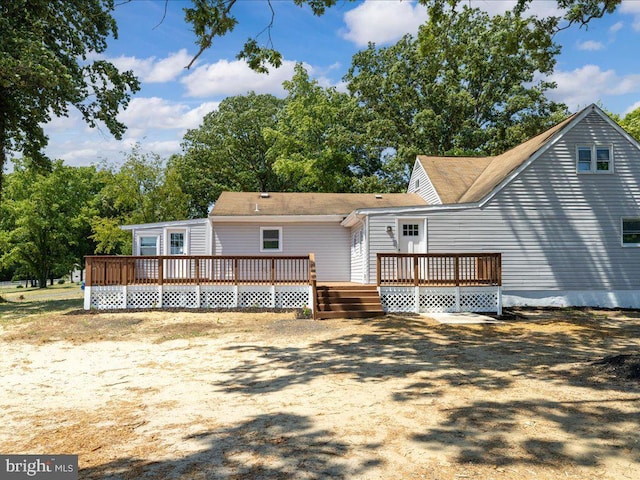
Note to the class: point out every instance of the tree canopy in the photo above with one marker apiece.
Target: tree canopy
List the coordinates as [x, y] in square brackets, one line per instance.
[46, 51]
[228, 151]
[465, 86]
[45, 222]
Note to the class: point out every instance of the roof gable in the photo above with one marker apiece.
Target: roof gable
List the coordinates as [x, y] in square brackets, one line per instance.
[501, 166]
[451, 177]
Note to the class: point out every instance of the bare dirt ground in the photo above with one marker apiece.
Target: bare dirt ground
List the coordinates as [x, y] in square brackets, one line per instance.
[184, 395]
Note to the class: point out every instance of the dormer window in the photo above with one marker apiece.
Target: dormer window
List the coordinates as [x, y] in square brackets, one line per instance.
[594, 158]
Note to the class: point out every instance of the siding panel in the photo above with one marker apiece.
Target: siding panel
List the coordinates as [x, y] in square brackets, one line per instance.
[425, 189]
[329, 242]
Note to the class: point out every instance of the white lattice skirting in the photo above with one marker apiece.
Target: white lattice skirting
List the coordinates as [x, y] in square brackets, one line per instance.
[195, 296]
[441, 299]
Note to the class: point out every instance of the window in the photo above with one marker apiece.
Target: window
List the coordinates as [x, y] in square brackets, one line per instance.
[410, 230]
[176, 243]
[594, 159]
[270, 239]
[148, 246]
[631, 232]
[417, 184]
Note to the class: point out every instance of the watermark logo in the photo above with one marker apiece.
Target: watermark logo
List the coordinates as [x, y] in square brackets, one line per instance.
[43, 467]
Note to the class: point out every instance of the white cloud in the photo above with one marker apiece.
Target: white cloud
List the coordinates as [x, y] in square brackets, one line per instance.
[63, 124]
[616, 27]
[590, 45]
[382, 22]
[225, 78]
[589, 84]
[631, 7]
[158, 113]
[156, 123]
[152, 70]
[631, 108]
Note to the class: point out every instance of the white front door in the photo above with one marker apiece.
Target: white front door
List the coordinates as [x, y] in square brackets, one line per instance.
[411, 236]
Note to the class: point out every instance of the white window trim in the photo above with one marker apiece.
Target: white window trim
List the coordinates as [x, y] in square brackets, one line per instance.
[167, 243]
[139, 246]
[627, 245]
[280, 240]
[594, 160]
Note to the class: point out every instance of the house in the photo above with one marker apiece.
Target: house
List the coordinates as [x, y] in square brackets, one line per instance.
[561, 209]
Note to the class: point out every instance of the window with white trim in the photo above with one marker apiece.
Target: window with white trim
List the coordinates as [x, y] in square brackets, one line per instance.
[148, 245]
[594, 158]
[631, 232]
[270, 239]
[176, 243]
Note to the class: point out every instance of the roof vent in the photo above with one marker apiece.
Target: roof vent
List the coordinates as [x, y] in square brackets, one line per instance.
[264, 195]
[378, 196]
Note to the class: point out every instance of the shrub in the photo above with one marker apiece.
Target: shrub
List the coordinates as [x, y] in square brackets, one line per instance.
[61, 281]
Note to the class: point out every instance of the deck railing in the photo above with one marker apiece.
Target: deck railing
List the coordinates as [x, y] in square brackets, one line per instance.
[197, 270]
[435, 269]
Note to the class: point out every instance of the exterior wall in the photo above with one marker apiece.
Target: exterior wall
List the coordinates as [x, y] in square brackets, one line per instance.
[358, 252]
[425, 189]
[558, 231]
[198, 237]
[328, 241]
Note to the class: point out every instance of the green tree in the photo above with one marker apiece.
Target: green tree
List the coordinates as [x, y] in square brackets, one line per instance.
[45, 68]
[228, 151]
[142, 190]
[631, 123]
[310, 147]
[466, 85]
[315, 145]
[46, 219]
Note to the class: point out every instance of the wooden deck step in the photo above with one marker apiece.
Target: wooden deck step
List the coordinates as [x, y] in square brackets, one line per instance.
[348, 301]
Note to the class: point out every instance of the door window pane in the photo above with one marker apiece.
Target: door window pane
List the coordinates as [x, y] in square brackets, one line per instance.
[410, 230]
[176, 243]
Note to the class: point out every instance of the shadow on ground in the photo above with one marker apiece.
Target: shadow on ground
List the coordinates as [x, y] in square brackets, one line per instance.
[17, 309]
[276, 445]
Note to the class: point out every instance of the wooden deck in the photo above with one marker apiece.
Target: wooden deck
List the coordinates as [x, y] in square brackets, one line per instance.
[439, 269]
[289, 282]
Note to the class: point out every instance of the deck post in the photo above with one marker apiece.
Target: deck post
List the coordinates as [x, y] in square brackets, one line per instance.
[416, 299]
[87, 297]
[88, 278]
[499, 300]
[124, 296]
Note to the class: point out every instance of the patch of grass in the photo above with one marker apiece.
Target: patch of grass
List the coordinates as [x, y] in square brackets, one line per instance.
[18, 310]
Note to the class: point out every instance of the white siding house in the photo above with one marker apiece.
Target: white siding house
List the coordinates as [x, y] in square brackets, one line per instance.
[562, 209]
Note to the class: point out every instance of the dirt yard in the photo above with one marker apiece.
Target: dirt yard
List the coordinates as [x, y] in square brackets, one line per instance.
[222, 395]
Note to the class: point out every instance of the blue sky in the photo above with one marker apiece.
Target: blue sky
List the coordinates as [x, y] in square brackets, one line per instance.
[598, 64]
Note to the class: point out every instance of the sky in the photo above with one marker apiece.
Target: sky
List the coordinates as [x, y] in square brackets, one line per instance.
[598, 64]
